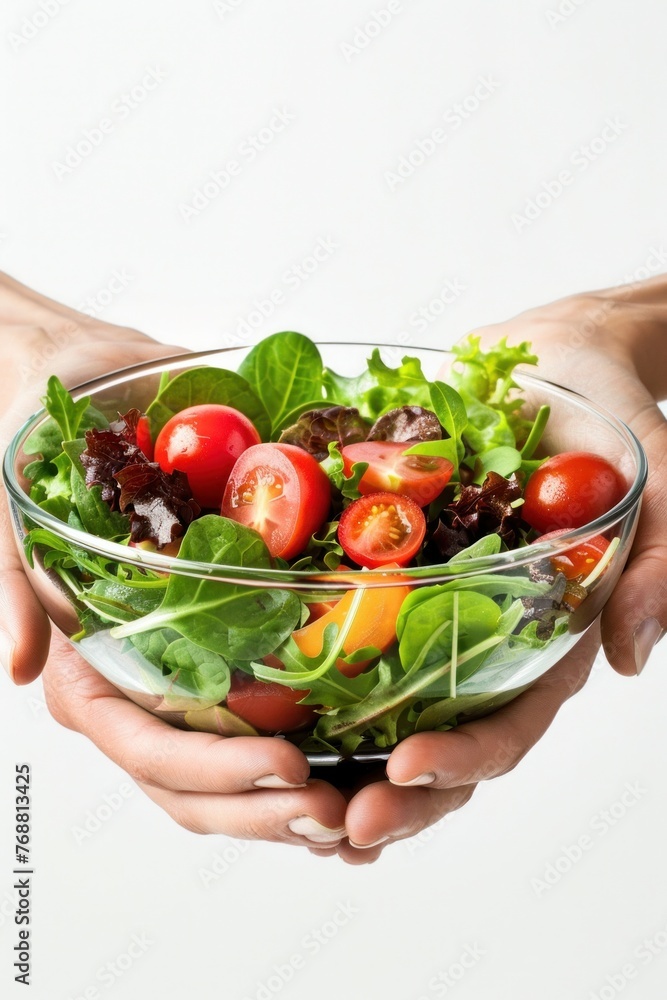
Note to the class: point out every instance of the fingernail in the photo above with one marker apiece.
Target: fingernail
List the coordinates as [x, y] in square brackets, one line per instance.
[646, 635]
[364, 847]
[275, 781]
[308, 827]
[7, 645]
[422, 779]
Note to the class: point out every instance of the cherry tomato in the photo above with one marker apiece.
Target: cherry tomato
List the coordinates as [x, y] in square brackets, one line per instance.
[144, 439]
[382, 527]
[204, 442]
[420, 477]
[280, 491]
[570, 490]
[580, 560]
[270, 707]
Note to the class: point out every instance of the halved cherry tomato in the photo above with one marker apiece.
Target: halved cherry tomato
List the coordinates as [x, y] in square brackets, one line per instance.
[280, 491]
[571, 490]
[374, 623]
[381, 527]
[144, 439]
[268, 706]
[420, 477]
[580, 560]
[204, 442]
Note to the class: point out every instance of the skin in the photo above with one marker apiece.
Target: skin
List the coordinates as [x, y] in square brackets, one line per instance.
[611, 345]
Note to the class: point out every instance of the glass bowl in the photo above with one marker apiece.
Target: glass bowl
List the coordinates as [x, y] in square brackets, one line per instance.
[454, 669]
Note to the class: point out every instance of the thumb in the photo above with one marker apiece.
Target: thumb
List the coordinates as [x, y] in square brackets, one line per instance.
[635, 617]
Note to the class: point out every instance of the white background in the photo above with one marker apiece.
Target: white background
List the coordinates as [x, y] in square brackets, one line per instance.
[324, 177]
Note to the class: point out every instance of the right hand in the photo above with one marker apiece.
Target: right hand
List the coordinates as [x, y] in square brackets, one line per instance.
[244, 787]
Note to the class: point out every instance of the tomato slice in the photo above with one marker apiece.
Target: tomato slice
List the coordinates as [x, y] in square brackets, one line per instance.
[380, 528]
[267, 706]
[420, 477]
[282, 492]
[579, 560]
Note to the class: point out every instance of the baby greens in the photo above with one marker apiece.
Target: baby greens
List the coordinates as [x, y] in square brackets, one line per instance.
[191, 634]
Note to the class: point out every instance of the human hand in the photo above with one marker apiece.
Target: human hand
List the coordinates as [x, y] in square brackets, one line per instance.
[243, 787]
[612, 347]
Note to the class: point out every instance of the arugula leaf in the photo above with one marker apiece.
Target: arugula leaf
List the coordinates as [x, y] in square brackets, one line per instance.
[116, 602]
[238, 620]
[66, 414]
[284, 370]
[208, 385]
[334, 467]
[390, 694]
[46, 440]
[323, 548]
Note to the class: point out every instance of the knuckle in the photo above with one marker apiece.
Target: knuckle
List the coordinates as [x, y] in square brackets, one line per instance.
[139, 770]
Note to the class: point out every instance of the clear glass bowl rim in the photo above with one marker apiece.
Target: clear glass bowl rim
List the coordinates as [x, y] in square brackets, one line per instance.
[327, 580]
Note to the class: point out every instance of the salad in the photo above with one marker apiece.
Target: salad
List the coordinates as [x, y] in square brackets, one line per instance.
[368, 480]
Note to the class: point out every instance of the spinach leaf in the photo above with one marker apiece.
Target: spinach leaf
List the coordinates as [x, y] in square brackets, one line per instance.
[238, 620]
[285, 371]
[503, 460]
[429, 631]
[208, 385]
[153, 645]
[196, 672]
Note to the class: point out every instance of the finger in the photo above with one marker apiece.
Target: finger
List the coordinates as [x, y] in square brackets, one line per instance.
[493, 746]
[635, 617]
[304, 817]
[22, 306]
[75, 360]
[155, 753]
[381, 813]
[25, 630]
